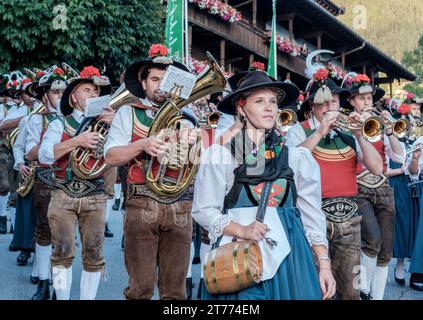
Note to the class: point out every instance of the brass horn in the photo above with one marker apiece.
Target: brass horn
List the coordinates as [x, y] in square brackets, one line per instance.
[213, 119]
[90, 163]
[286, 119]
[181, 157]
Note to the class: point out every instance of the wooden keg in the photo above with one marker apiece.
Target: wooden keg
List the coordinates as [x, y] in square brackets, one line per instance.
[233, 267]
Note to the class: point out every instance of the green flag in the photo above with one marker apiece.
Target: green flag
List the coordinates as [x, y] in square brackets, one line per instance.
[174, 32]
[272, 68]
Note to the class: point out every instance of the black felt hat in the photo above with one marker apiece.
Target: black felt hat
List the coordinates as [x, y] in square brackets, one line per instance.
[256, 80]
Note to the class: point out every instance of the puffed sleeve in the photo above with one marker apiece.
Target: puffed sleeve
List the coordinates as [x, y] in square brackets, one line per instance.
[295, 136]
[213, 182]
[120, 132]
[309, 202]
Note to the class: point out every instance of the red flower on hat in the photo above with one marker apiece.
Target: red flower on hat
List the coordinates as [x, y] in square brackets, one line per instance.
[321, 74]
[404, 109]
[15, 83]
[410, 96]
[301, 98]
[40, 73]
[59, 71]
[158, 50]
[256, 65]
[361, 78]
[89, 72]
[26, 80]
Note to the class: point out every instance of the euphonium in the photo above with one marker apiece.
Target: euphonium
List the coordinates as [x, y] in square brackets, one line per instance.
[416, 130]
[90, 163]
[11, 137]
[26, 183]
[286, 119]
[181, 157]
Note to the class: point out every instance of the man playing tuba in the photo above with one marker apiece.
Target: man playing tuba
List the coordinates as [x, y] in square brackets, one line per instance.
[157, 229]
[74, 200]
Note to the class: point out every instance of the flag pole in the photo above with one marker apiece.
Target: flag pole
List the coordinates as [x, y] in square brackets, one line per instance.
[186, 33]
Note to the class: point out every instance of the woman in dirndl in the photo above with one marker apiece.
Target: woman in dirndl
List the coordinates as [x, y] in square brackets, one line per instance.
[415, 168]
[406, 217]
[232, 175]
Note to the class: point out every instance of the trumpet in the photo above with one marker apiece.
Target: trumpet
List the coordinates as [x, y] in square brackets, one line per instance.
[286, 119]
[400, 128]
[415, 148]
[372, 128]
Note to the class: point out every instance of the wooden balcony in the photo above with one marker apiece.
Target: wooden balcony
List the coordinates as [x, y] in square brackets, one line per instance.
[245, 35]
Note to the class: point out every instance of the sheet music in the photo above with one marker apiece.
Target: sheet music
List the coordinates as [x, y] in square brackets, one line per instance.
[95, 106]
[178, 82]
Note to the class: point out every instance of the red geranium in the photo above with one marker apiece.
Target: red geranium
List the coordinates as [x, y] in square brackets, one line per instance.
[89, 72]
[321, 74]
[40, 73]
[256, 65]
[26, 80]
[361, 78]
[404, 109]
[158, 50]
[15, 83]
[59, 71]
[410, 96]
[301, 98]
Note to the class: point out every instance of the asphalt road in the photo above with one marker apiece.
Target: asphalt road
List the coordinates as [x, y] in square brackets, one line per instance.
[15, 283]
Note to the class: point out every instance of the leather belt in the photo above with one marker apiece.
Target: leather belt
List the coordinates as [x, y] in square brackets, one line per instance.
[78, 188]
[369, 180]
[339, 210]
[44, 175]
[141, 190]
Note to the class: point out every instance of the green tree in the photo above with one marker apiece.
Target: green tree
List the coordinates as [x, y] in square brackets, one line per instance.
[413, 60]
[104, 33]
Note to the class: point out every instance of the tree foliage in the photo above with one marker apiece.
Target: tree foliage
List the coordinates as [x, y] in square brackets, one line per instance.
[105, 33]
[413, 60]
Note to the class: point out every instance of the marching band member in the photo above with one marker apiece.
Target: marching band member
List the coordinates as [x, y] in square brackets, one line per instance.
[75, 201]
[224, 182]
[49, 89]
[337, 154]
[157, 229]
[376, 198]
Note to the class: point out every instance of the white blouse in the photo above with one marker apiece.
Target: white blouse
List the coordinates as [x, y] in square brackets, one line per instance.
[215, 178]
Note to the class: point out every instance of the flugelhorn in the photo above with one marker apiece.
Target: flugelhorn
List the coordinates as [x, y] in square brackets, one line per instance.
[401, 128]
[372, 128]
[26, 183]
[286, 119]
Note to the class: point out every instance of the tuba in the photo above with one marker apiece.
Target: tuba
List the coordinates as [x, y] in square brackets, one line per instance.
[181, 157]
[90, 163]
[286, 119]
[11, 137]
[26, 183]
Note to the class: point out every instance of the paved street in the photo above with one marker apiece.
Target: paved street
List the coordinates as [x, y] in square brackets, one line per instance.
[15, 284]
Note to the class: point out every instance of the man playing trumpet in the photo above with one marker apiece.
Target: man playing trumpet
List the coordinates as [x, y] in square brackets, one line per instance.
[376, 197]
[337, 153]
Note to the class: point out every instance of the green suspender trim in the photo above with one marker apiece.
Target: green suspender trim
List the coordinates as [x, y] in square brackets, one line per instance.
[71, 125]
[140, 122]
[335, 144]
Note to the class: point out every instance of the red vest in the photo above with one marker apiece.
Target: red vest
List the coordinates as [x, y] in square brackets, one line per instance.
[62, 163]
[380, 147]
[338, 163]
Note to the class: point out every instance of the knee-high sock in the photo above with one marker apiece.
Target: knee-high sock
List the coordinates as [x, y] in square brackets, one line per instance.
[89, 284]
[109, 205]
[367, 272]
[3, 204]
[118, 190]
[191, 256]
[379, 283]
[42, 256]
[12, 212]
[62, 282]
[35, 267]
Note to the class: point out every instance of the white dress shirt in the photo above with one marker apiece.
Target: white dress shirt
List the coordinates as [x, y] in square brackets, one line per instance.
[414, 177]
[17, 112]
[225, 122]
[120, 131]
[53, 136]
[19, 146]
[215, 178]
